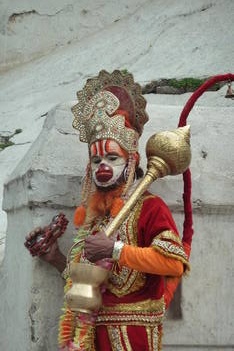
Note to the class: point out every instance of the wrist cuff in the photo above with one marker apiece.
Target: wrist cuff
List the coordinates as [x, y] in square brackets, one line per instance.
[118, 245]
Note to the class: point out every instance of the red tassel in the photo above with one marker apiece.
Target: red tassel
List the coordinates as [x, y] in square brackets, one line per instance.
[79, 216]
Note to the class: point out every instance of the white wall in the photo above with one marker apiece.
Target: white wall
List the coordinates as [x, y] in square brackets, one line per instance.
[30, 29]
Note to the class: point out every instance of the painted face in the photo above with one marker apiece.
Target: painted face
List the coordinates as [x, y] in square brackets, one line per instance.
[108, 161]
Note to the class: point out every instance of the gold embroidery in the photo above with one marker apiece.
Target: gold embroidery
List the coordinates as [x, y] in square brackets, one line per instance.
[143, 313]
[132, 223]
[120, 341]
[160, 334]
[156, 338]
[146, 305]
[170, 250]
[124, 280]
[148, 332]
[153, 338]
[169, 235]
[125, 337]
[115, 338]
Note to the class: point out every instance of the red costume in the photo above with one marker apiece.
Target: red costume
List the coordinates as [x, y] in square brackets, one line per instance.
[133, 300]
[133, 303]
[110, 115]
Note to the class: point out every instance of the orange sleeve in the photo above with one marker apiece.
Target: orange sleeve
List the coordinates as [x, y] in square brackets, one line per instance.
[148, 260]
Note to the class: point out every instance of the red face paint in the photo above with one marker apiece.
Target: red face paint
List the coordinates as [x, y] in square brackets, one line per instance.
[108, 161]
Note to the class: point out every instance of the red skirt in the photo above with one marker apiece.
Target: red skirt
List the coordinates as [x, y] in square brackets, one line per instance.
[128, 338]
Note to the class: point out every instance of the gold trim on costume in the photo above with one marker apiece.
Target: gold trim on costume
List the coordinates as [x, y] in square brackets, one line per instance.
[125, 337]
[153, 336]
[169, 235]
[115, 338]
[140, 306]
[119, 338]
[169, 249]
[140, 313]
[124, 280]
[120, 341]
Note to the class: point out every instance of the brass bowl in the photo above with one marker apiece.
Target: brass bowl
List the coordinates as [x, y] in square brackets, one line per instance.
[84, 295]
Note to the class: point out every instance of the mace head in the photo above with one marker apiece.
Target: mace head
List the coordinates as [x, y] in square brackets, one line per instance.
[172, 147]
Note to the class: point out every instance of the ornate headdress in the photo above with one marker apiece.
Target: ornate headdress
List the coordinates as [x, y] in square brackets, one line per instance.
[111, 106]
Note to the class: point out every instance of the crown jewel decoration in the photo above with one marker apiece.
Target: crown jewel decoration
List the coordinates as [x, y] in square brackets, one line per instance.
[98, 101]
[95, 123]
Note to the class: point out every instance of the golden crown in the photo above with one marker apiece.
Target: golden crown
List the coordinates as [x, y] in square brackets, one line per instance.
[100, 98]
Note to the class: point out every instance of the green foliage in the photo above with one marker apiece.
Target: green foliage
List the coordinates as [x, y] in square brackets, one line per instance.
[186, 83]
[124, 71]
[5, 140]
[18, 130]
[4, 145]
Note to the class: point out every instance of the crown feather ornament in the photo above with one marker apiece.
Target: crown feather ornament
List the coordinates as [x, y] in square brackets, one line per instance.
[95, 113]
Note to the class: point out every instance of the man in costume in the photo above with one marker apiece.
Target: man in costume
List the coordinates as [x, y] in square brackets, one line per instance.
[144, 251]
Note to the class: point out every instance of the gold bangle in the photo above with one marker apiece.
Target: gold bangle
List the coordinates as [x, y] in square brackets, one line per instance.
[118, 245]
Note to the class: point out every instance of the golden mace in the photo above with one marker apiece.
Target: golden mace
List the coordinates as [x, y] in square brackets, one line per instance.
[168, 153]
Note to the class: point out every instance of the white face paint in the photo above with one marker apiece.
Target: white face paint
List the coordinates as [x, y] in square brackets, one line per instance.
[108, 161]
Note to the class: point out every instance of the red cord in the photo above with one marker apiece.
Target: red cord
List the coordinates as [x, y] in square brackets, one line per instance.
[172, 284]
[188, 222]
